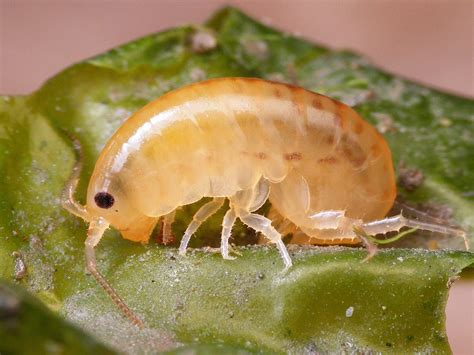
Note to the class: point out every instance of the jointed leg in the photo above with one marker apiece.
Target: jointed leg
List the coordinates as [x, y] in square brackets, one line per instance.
[264, 225]
[368, 244]
[333, 224]
[166, 230]
[201, 215]
[242, 204]
[228, 222]
[94, 235]
[395, 223]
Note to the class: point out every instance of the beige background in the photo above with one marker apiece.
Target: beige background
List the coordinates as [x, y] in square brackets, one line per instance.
[429, 41]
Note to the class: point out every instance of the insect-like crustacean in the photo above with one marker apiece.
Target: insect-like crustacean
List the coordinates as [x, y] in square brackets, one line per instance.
[324, 169]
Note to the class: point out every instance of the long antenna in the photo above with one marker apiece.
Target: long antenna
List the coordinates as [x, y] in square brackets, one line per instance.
[95, 232]
[94, 235]
[67, 196]
[115, 297]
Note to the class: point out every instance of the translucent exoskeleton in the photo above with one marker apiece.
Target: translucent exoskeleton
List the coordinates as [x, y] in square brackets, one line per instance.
[323, 168]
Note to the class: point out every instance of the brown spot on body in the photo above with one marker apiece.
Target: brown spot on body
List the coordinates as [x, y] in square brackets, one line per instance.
[294, 88]
[375, 150]
[352, 151]
[292, 156]
[261, 155]
[317, 104]
[278, 93]
[330, 139]
[327, 160]
[342, 112]
[354, 157]
[358, 127]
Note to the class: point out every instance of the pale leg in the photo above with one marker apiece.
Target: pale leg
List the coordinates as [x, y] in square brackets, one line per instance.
[227, 224]
[264, 225]
[331, 224]
[166, 229]
[201, 215]
[94, 234]
[369, 245]
[245, 201]
[395, 223]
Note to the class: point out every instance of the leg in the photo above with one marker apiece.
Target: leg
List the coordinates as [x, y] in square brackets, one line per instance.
[246, 201]
[253, 198]
[283, 225]
[166, 230]
[264, 225]
[395, 223]
[330, 227]
[94, 234]
[329, 220]
[201, 215]
[334, 225]
[229, 220]
[369, 245]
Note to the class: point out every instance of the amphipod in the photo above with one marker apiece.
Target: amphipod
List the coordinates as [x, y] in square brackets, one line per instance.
[324, 169]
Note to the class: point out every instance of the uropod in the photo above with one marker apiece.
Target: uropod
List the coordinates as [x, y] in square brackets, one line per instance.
[326, 172]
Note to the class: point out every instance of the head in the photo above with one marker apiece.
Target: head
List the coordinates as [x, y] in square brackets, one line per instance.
[105, 199]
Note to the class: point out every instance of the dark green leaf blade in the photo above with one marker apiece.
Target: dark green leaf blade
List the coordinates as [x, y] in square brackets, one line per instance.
[28, 327]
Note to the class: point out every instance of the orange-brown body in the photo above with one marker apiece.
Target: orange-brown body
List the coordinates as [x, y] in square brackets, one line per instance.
[222, 136]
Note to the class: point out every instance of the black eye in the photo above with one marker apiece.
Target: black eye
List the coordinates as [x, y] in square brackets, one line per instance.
[104, 200]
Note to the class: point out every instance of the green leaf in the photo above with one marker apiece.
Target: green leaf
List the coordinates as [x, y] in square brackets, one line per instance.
[24, 317]
[329, 301]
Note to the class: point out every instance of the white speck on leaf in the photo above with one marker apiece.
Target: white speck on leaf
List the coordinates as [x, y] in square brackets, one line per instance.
[349, 312]
[445, 122]
[384, 122]
[203, 41]
[197, 74]
[256, 48]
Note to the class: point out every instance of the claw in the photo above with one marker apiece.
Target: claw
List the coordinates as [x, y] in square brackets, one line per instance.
[367, 240]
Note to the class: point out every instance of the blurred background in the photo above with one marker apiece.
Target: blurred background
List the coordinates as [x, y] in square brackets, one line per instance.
[427, 41]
